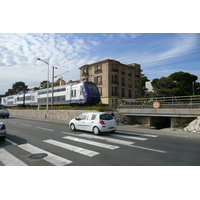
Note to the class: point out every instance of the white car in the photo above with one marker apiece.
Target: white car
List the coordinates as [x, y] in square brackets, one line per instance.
[2, 130]
[95, 122]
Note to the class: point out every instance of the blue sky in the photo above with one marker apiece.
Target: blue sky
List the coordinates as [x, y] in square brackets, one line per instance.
[159, 54]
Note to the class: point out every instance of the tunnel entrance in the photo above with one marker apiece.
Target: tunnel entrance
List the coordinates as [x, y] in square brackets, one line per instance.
[160, 122]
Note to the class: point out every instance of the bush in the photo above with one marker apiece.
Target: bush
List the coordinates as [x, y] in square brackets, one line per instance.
[183, 126]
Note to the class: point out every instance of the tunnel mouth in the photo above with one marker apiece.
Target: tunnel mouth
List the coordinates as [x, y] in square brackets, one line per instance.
[161, 122]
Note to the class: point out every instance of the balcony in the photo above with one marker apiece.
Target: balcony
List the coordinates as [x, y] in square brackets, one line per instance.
[115, 70]
[98, 71]
[85, 74]
[115, 82]
[115, 94]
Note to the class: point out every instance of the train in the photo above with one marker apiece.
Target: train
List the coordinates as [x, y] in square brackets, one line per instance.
[83, 93]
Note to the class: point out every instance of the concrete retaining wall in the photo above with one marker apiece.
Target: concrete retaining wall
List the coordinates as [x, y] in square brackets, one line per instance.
[64, 115]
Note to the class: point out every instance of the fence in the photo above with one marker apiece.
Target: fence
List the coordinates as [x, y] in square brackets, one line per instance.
[177, 102]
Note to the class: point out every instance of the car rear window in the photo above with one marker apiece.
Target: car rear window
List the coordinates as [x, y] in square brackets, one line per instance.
[106, 117]
[3, 111]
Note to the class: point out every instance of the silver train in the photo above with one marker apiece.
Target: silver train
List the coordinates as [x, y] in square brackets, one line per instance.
[83, 93]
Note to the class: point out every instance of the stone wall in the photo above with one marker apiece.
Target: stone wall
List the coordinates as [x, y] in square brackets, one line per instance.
[63, 115]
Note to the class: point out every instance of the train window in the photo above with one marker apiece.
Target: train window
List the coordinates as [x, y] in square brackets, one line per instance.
[62, 98]
[73, 93]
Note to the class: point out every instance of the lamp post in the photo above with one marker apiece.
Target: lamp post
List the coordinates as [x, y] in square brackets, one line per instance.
[47, 102]
[53, 85]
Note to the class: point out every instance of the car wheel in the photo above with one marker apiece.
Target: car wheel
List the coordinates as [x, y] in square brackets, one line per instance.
[96, 130]
[72, 127]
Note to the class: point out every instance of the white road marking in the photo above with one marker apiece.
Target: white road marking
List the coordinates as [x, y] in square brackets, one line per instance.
[130, 137]
[11, 141]
[52, 158]
[26, 125]
[149, 149]
[107, 139]
[127, 143]
[107, 146]
[72, 148]
[139, 134]
[46, 129]
[9, 160]
[12, 122]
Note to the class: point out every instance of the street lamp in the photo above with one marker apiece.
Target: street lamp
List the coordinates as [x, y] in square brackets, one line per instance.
[53, 85]
[47, 106]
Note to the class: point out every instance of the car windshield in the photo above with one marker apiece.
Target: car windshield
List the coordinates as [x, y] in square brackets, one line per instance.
[106, 117]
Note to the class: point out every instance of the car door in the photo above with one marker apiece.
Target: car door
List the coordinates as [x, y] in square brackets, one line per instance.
[90, 121]
[80, 122]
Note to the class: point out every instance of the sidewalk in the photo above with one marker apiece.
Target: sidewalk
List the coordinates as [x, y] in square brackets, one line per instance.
[166, 131]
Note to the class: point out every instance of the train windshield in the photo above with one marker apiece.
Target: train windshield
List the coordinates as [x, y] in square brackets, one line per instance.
[92, 88]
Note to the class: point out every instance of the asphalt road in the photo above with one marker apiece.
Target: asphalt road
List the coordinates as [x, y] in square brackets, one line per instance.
[45, 143]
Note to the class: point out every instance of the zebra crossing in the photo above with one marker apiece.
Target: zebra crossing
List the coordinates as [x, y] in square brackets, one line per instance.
[109, 143]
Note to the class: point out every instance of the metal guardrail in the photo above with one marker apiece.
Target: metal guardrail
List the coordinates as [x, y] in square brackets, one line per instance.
[177, 102]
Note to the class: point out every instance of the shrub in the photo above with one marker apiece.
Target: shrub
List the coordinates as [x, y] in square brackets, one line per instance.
[183, 126]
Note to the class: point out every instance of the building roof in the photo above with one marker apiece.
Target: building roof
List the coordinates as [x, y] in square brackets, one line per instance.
[133, 65]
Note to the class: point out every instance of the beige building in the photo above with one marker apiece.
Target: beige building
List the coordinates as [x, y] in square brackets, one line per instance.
[113, 79]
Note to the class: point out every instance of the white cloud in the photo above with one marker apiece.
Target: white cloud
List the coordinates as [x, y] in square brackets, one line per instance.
[20, 53]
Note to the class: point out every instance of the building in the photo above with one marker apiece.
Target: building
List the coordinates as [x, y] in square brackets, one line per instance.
[113, 79]
[149, 87]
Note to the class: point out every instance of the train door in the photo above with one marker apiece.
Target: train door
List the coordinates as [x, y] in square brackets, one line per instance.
[81, 93]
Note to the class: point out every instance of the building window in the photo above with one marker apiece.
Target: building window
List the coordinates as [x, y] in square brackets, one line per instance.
[85, 72]
[129, 94]
[115, 67]
[129, 83]
[129, 73]
[98, 80]
[123, 71]
[98, 69]
[123, 81]
[115, 79]
[123, 92]
[114, 91]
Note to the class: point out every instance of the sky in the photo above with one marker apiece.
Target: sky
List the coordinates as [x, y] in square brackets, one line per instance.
[162, 36]
[159, 54]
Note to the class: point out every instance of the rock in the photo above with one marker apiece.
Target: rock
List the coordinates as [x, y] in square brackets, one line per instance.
[193, 126]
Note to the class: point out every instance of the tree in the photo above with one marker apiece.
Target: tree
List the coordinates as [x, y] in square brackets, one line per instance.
[185, 82]
[177, 84]
[10, 92]
[43, 84]
[164, 86]
[18, 87]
